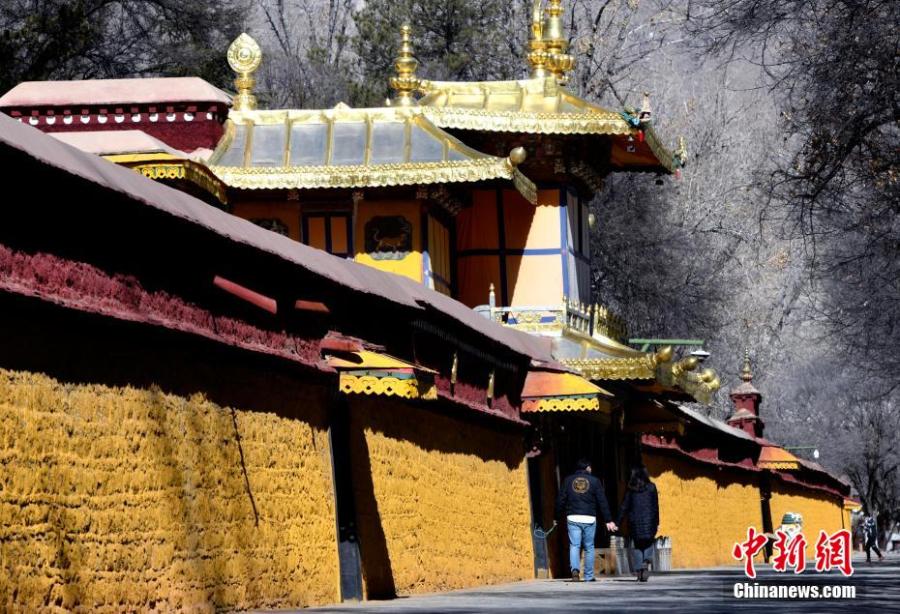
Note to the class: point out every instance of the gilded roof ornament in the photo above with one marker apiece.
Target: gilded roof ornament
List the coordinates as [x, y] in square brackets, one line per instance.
[746, 372]
[560, 63]
[548, 44]
[244, 57]
[537, 55]
[405, 82]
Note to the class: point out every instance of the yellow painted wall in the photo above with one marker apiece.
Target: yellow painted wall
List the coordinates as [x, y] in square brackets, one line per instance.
[288, 213]
[120, 499]
[703, 509]
[451, 498]
[819, 510]
[411, 265]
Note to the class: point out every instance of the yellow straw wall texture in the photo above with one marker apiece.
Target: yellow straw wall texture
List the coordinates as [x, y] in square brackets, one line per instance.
[705, 510]
[119, 499]
[820, 511]
[450, 498]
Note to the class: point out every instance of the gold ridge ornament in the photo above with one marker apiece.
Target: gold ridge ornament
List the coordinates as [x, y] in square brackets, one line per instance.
[244, 57]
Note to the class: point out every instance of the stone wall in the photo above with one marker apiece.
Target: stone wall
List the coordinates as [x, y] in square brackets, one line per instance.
[123, 498]
[704, 509]
[442, 501]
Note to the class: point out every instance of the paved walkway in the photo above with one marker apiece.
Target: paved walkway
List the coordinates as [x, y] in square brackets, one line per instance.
[708, 590]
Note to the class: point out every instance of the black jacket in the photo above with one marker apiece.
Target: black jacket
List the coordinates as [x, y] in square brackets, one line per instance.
[641, 507]
[582, 493]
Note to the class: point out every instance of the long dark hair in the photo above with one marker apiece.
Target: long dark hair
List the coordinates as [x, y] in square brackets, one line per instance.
[639, 478]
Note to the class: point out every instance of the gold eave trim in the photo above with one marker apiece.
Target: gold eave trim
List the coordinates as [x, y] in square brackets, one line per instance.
[529, 122]
[185, 171]
[374, 384]
[789, 465]
[362, 176]
[564, 403]
[642, 367]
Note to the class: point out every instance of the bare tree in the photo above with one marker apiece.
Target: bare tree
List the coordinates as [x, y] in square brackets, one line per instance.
[308, 63]
[61, 39]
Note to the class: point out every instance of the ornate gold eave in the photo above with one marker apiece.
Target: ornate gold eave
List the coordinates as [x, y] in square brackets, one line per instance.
[775, 457]
[362, 175]
[527, 122]
[566, 403]
[638, 368]
[165, 166]
[560, 391]
[657, 368]
[458, 163]
[370, 373]
[530, 106]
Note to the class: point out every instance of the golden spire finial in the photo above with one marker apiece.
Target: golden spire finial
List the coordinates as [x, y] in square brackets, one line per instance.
[244, 57]
[405, 82]
[537, 55]
[556, 43]
[746, 373]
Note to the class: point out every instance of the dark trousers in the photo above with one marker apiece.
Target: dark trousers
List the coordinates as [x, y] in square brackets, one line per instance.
[872, 544]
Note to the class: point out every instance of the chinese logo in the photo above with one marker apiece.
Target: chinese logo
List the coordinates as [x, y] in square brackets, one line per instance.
[831, 551]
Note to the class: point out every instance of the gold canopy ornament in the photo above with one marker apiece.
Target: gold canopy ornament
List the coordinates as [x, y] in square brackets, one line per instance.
[405, 82]
[244, 57]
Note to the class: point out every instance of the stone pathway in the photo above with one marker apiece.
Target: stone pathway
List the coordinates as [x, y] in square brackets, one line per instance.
[708, 590]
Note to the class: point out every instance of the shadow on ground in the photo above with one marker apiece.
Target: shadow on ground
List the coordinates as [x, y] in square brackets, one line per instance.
[711, 590]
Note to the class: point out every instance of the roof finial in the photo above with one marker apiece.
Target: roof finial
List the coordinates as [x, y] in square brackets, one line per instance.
[537, 56]
[557, 44]
[405, 82]
[244, 57]
[746, 373]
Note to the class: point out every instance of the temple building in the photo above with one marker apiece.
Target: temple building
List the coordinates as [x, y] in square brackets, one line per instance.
[273, 356]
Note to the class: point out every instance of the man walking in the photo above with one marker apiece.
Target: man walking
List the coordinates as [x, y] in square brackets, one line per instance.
[581, 497]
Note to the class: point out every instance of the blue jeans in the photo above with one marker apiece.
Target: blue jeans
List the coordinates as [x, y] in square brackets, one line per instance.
[643, 553]
[582, 533]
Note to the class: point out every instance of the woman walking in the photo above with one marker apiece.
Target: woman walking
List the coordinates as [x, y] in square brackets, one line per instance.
[641, 508]
[870, 538]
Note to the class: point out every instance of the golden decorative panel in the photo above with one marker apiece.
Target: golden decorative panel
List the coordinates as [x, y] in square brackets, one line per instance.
[584, 403]
[387, 385]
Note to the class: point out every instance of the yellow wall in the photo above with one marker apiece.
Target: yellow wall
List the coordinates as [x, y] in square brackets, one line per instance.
[120, 499]
[287, 213]
[411, 265]
[450, 498]
[703, 509]
[819, 510]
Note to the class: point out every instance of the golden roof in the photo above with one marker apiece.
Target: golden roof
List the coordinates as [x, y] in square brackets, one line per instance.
[351, 148]
[541, 106]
